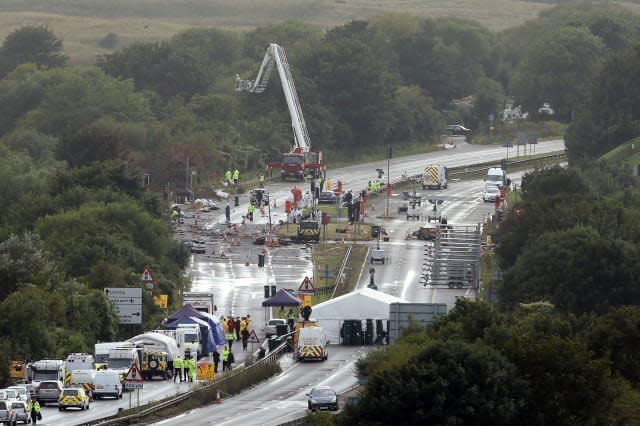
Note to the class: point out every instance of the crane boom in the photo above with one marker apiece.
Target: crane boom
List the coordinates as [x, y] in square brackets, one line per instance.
[275, 56]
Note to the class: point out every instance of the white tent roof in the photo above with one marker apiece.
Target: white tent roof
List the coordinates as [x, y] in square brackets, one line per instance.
[360, 304]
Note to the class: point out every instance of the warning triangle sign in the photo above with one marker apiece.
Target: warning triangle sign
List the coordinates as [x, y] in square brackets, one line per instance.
[306, 287]
[133, 375]
[253, 338]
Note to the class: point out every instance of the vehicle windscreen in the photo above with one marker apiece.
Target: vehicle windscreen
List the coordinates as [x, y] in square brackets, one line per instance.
[100, 358]
[323, 392]
[190, 337]
[120, 363]
[292, 159]
[494, 178]
[42, 375]
[11, 394]
[70, 392]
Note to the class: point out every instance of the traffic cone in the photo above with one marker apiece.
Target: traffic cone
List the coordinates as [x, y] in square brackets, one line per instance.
[218, 399]
[222, 253]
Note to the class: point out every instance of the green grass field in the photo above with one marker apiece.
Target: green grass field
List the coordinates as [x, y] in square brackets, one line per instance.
[81, 24]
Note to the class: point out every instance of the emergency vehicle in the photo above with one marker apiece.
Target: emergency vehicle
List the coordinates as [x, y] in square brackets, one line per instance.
[301, 161]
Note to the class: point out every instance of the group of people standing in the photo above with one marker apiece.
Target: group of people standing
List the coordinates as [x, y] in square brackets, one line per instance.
[184, 369]
[289, 316]
[236, 329]
[232, 178]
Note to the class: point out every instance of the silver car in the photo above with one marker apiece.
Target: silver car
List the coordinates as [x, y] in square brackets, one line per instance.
[48, 391]
[7, 414]
[20, 408]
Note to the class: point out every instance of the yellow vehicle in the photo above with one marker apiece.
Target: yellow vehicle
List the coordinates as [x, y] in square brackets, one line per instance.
[73, 397]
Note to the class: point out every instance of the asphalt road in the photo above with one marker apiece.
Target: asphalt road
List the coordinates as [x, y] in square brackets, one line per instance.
[280, 399]
[238, 284]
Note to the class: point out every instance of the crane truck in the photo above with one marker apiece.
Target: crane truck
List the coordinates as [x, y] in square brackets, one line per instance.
[301, 161]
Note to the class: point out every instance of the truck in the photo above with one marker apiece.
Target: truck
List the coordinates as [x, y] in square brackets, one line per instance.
[82, 378]
[45, 369]
[78, 361]
[301, 161]
[311, 344]
[177, 335]
[192, 339]
[123, 357]
[200, 301]
[101, 352]
[309, 231]
[435, 176]
[157, 350]
[495, 176]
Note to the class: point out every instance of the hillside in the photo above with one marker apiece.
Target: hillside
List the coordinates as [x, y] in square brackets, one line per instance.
[83, 24]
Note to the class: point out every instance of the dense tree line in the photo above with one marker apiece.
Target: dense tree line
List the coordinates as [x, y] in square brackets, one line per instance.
[528, 366]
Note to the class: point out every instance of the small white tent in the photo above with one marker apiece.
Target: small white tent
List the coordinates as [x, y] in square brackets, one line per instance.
[361, 304]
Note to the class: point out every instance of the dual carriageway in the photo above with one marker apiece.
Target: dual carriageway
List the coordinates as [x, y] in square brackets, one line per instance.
[239, 289]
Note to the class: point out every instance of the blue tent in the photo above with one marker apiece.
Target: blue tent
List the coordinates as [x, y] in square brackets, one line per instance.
[208, 341]
[216, 328]
[282, 298]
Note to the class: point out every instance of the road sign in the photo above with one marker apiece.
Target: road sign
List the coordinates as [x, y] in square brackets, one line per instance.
[491, 117]
[146, 276]
[133, 375]
[161, 301]
[253, 338]
[127, 304]
[306, 287]
[128, 292]
[133, 310]
[205, 371]
[134, 385]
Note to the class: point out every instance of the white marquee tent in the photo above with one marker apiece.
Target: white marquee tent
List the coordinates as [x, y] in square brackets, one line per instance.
[361, 304]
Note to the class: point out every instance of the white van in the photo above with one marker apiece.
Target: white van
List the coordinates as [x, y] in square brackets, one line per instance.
[312, 344]
[495, 176]
[107, 383]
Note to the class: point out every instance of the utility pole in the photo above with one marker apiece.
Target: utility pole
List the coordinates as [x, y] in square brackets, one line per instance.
[386, 211]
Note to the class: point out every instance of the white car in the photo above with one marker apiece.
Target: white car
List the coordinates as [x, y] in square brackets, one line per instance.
[491, 192]
[198, 246]
[272, 326]
[11, 394]
[23, 392]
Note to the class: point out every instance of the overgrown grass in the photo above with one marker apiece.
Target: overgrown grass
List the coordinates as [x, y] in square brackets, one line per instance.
[81, 24]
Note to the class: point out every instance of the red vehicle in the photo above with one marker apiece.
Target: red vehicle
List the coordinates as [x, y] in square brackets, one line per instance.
[301, 161]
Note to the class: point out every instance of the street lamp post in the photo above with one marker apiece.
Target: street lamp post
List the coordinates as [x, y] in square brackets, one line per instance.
[386, 211]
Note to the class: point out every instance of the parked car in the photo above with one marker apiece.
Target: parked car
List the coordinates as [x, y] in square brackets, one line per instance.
[322, 397]
[491, 192]
[7, 414]
[48, 391]
[273, 324]
[327, 197]
[198, 246]
[73, 397]
[20, 408]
